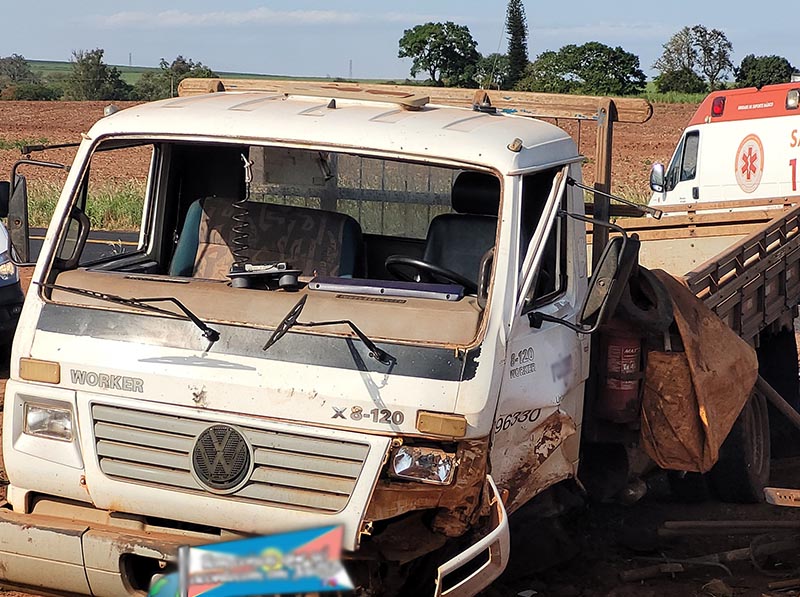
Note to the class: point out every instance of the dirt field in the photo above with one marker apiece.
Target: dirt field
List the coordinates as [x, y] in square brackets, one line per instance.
[636, 146]
[599, 541]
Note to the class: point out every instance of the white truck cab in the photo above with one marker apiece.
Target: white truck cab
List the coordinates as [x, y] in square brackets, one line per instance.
[741, 145]
[326, 319]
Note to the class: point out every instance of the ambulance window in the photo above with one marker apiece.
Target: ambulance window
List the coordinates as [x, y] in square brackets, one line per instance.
[671, 177]
[689, 162]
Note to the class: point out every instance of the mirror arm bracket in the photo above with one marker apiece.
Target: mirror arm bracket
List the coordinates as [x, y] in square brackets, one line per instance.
[645, 209]
[537, 318]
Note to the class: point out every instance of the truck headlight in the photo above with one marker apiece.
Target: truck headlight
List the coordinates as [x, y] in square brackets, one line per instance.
[427, 465]
[48, 421]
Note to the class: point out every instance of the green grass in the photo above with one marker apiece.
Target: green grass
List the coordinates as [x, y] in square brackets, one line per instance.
[54, 71]
[42, 198]
[673, 97]
[18, 144]
[111, 207]
[634, 193]
[51, 70]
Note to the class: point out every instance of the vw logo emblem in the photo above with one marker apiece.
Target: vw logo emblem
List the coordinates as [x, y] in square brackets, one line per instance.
[221, 459]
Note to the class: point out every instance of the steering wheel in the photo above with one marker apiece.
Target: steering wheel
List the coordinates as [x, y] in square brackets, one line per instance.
[426, 271]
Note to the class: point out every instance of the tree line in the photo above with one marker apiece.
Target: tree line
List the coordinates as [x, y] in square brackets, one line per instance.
[90, 78]
[694, 60]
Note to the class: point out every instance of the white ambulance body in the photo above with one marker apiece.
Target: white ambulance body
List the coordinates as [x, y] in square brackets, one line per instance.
[741, 144]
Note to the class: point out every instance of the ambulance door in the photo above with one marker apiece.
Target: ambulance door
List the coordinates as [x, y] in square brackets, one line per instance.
[682, 180]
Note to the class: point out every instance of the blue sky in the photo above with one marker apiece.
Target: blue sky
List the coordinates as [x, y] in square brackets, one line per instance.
[316, 38]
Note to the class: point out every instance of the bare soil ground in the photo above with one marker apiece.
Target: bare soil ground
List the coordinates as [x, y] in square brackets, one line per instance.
[636, 146]
[599, 541]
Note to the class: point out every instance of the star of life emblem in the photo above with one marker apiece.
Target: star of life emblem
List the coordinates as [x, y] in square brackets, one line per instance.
[749, 163]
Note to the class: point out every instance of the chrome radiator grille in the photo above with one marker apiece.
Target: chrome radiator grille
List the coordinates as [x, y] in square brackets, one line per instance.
[289, 470]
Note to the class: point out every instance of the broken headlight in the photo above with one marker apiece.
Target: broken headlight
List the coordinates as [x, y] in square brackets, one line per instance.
[8, 271]
[427, 465]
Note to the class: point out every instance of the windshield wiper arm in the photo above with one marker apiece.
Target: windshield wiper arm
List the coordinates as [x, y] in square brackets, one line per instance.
[209, 333]
[376, 353]
[290, 321]
[286, 323]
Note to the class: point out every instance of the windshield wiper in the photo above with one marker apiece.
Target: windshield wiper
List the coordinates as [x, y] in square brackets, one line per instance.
[209, 333]
[290, 321]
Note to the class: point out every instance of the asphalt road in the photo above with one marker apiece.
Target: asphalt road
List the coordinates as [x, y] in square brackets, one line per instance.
[101, 243]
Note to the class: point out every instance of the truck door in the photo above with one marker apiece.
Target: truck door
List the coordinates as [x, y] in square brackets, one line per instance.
[682, 183]
[541, 394]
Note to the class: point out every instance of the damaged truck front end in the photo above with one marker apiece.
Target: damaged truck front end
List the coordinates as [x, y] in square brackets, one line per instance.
[354, 323]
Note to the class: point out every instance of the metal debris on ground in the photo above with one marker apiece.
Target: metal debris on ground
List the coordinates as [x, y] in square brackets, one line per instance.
[761, 553]
[717, 588]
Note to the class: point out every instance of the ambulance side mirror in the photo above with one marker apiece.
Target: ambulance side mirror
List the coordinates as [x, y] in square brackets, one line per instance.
[657, 178]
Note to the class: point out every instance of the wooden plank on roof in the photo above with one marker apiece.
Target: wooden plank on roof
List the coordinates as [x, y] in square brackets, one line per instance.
[526, 103]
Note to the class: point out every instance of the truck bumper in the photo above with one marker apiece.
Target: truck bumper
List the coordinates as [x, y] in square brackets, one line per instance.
[494, 547]
[79, 555]
[69, 549]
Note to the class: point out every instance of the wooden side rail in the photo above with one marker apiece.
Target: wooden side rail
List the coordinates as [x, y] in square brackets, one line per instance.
[757, 280]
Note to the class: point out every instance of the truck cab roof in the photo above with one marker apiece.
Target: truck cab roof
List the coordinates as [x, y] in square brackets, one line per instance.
[461, 135]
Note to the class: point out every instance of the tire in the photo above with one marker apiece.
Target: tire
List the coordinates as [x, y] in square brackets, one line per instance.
[645, 304]
[688, 488]
[742, 471]
[777, 364]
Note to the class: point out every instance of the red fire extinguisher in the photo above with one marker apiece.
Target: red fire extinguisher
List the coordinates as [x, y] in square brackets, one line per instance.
[619, 397]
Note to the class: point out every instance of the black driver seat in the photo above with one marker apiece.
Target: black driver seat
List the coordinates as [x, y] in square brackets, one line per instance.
[458, 241]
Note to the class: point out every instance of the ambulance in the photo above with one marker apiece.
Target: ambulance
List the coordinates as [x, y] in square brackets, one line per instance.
[740, 145]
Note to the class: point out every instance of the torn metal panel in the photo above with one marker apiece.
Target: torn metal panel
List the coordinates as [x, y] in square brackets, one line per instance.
[536, 462]
[458, 502]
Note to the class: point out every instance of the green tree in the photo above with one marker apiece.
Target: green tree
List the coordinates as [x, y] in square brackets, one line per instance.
[714, 54]
[683, 80]
[604, 70]
[30, 92]
[592, 68]
[517, 29]
[92, 79]
[705, 52]
[153, 85]
[15, 69]
[445, 51]
[548, 74]
[492, 72]
[679, 53]
[757, 71]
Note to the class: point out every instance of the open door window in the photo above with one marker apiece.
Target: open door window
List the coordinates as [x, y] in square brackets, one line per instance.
[543, 273]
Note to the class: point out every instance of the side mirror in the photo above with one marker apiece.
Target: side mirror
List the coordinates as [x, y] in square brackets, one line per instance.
[18, 219]
[657, 178]
[69, 252]
[608, 280]
[5, 195]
